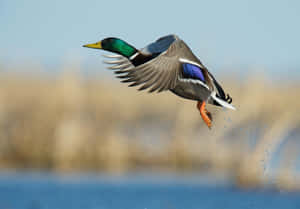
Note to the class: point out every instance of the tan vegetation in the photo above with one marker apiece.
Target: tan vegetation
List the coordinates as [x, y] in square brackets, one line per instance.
[73, 123]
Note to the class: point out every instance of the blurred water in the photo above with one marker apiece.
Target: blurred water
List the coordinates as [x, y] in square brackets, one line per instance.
[34, 191]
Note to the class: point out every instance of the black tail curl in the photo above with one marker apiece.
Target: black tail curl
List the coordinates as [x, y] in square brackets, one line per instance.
[228, 99]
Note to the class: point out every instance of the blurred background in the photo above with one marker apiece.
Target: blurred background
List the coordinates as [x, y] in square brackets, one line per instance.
[73, 136]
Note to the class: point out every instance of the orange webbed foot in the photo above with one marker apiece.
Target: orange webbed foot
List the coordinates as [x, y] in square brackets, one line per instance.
[206, 116]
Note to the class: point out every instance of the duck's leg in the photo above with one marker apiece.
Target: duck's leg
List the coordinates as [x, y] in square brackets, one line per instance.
[206, 116]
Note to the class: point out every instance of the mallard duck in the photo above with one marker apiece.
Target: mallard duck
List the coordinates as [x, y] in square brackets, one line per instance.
[166, 64]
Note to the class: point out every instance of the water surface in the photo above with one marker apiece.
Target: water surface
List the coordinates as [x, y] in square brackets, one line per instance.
[168, 191]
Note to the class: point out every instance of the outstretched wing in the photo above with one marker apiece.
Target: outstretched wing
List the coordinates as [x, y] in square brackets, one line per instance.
[159, 73]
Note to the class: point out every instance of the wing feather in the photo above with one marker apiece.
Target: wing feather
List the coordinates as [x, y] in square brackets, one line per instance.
[166, 83]
[145, 79]
[120, 66]
[148, 84]
[159, 82]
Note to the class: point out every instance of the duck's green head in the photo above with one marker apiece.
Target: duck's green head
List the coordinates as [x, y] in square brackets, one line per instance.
[114, 45]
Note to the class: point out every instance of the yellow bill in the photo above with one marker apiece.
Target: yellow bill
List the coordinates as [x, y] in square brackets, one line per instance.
[94, 46]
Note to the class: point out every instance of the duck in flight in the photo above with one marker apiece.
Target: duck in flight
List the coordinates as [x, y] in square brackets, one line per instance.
[166, 64]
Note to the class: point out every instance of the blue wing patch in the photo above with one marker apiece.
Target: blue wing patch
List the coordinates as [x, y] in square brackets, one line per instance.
[193, 71]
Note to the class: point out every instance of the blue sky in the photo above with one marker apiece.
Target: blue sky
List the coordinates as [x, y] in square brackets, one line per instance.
[236, 35]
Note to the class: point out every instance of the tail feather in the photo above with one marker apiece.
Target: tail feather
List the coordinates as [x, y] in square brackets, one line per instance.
[222, 102]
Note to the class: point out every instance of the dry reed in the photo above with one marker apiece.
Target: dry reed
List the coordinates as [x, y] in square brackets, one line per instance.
[72, 123]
